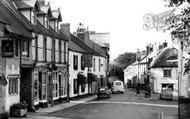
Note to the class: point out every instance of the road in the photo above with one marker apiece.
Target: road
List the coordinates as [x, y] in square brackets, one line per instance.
[121, 106]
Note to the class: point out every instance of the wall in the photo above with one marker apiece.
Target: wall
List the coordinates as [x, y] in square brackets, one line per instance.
[159, 79]
[73, 74]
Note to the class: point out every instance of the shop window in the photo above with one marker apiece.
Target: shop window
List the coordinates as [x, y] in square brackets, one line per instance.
[55, 85]
[44, 88]
[75, 62]
[25, 48]
[40, 85]
[13, 85]
[60, 85]
[167, 72]
[35, 89]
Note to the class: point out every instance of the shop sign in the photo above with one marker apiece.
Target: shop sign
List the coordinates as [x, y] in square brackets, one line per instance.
[87, 60]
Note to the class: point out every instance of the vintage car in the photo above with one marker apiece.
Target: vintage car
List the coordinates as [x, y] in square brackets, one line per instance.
[104, 92]
[118, 87]
[166, 93]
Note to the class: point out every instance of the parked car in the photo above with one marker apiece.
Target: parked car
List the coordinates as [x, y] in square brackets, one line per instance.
[166, 93]
[118, 87]
[104, 92]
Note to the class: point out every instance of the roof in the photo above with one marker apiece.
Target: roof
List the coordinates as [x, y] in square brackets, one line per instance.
[57, 14]
[96, 47]
[74, 47]
[27, 4]
[166, 58]
[15, 24]
[57, 34]
[83, 45]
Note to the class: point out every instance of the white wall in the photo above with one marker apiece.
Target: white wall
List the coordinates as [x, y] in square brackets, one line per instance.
[159, 79]
[12, 68]
[73, 73]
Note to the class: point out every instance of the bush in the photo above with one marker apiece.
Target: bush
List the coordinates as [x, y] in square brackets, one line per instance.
[4, 115]
[19, 106]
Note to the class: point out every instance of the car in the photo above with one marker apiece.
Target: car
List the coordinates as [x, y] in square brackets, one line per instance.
[166, 93]
[118, 87]
[104, 92]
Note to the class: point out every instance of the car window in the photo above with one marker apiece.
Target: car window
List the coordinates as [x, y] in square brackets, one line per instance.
[118, 83]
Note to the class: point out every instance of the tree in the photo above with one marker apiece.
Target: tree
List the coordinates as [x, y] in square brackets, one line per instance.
[116, 71]
[125, 59]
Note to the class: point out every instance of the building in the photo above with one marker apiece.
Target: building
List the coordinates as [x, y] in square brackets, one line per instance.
[164, 69]
[100, 61]
[15, 34]
[43, 67]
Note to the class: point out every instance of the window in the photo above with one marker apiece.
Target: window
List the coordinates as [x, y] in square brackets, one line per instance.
[55, 85]
[82, 63]
[35, 89]
[99, 64]
[75, 91]
[94, 67]
[59, 51]
[60, 85]
[25, 48]
[44, 47]
[44, 86]
[13, 85]
[16, 47]
[75, 62]
[167, 72]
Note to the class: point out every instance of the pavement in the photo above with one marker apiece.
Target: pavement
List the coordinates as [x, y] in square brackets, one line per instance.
[44, 111]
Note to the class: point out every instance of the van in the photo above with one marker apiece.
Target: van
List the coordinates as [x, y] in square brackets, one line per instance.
[118, 87]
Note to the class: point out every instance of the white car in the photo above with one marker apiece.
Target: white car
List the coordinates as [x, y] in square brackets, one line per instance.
[118, 87]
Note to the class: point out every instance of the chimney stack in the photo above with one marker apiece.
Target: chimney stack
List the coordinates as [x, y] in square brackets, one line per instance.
[83, 33]
[65, 29]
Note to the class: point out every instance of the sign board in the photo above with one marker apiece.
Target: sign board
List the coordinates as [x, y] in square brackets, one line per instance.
[7, 48]
[87, 60]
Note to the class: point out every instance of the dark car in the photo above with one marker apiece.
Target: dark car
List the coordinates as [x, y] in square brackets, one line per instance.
[104, 92]
[166, 93]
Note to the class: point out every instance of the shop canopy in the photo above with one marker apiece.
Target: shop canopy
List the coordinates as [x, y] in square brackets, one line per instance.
[81, 78]
[92, 78]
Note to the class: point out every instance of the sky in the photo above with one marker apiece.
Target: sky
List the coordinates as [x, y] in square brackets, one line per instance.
[122, 18]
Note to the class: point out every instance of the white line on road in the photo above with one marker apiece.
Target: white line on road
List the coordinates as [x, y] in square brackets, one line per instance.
[131, 103]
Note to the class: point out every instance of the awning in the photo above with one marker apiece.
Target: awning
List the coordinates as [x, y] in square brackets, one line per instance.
[3, 80]
[81, 78]
[92, 78]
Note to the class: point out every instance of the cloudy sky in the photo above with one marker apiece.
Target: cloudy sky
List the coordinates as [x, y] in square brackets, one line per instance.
[122, 18]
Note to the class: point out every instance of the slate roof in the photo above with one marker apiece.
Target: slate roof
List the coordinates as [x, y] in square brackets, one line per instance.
[83, 45]
[56, 14]
[22, 4]
[96, 47]
[15, 24]
[166, 58]
[57, 34]
[73, 47]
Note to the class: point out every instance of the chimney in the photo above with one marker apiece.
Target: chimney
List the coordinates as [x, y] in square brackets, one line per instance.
[83, 33]
[65, 29]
